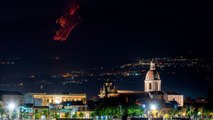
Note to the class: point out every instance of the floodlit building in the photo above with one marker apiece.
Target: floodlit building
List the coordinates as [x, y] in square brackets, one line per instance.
[152, 84]
[61, 105]
[109, 91]
[44, 99]
[167, 97]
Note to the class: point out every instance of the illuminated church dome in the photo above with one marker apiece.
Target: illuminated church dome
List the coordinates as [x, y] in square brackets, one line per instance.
[152, 75]
[152, 80]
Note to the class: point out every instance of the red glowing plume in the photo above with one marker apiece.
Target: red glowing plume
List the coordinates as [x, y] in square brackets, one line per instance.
[67, 22]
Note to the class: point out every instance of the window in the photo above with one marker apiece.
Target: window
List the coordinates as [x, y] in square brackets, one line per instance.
[156, 84]
[150, 86]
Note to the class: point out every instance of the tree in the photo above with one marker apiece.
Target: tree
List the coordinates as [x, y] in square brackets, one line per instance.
[164, 112]
[190, 111]
[81, 115]
[183, 111]
[75, 115]
[207, 112]
[111, 107]
[92, 114]
[134, 110]
[45, 112]
[67, 115]
[200, 112]
[173, 112]
[1, 112]
[37, 115]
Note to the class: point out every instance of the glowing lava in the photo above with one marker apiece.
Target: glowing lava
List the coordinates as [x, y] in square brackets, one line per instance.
[67, 22]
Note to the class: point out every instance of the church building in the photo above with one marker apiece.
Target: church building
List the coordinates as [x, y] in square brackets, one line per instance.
[152, 84]
[152, 89]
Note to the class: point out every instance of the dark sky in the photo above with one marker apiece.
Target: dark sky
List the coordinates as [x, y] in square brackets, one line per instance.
[112, 31]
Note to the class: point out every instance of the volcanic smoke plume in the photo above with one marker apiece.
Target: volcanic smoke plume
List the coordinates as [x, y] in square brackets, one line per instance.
[67, 22]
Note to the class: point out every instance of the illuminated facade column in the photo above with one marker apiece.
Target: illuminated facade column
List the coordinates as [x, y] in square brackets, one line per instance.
[159, 86]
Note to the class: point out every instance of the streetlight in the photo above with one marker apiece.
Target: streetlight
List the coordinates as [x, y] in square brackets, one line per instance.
[153, 107]
[11, 106]
[153, 110]
[144, 109]
[143, 106]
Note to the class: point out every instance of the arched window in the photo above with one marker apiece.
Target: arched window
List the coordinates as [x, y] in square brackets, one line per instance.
[150, 86]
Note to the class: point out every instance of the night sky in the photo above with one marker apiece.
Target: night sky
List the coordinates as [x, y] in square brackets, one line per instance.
[112, 32]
